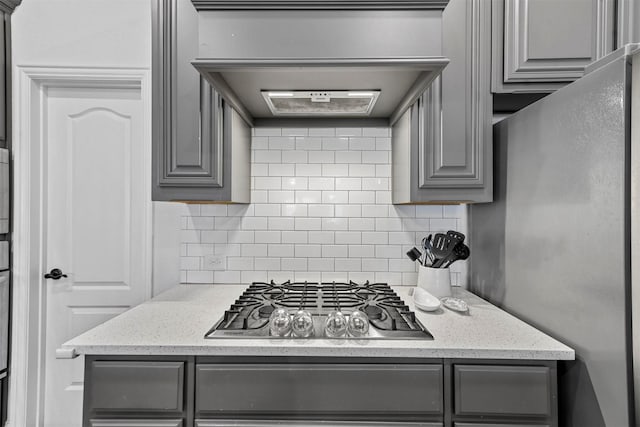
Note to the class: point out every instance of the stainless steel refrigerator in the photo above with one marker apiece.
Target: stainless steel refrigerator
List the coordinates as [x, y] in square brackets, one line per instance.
[560, 246]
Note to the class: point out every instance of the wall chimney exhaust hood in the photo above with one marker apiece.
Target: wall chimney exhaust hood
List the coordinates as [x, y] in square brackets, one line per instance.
[311, 59]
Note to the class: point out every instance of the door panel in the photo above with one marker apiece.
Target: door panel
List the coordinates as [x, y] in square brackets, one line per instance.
[96, 227]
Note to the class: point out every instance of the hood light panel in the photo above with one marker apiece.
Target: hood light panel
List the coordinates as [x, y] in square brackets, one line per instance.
[321, 103]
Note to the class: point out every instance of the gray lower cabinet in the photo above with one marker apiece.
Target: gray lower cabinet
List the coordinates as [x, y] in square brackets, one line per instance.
[319, 391]
[137, 423]
[541, 45]
[173, 391]
[201, 146]
[442, 146]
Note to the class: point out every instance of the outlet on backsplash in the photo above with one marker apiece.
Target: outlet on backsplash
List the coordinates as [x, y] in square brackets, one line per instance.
[215, 262]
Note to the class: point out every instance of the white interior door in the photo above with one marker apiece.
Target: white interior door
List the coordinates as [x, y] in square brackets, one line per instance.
[97, 226]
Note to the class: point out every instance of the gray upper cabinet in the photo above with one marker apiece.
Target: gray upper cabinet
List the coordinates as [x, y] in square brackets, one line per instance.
[442, 149]
[541, 45]
[201, 147]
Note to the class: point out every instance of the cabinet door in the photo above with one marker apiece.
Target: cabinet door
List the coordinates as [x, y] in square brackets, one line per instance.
[188, 151]
[135, 423]
[540, 45]
[318, 391]
[450, 154]
[502, 390]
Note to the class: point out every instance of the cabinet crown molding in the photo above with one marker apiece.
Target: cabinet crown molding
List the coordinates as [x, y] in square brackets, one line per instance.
[317, 4]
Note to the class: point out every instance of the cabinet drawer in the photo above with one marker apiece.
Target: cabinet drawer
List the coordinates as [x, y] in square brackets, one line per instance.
[498, 425]
[137, 386]
[502, 390]
[355, 390]
[304, 423]
[136, 423]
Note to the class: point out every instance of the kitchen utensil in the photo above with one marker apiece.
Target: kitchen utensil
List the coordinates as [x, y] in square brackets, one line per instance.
[414, 254]
[427, 246]
[442, 247]
[456, 235]
[358, 324]
[436, 281]
[460, 252]
[455, 304]
[424, 300]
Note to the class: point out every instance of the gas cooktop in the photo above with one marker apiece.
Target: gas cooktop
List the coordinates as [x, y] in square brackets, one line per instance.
[317, 310]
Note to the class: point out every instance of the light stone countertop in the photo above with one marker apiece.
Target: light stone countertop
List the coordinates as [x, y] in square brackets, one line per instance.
[174, 323]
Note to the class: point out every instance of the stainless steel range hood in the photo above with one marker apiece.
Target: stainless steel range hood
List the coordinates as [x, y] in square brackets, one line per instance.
[350, 61]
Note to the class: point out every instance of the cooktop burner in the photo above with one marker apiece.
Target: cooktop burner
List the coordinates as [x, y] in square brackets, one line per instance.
[388, 316]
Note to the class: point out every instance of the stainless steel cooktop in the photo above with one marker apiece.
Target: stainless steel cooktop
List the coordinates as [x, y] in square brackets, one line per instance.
[318, 310]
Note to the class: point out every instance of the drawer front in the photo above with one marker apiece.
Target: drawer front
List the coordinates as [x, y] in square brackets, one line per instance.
[136, 423]
[332, 389]
[498, 425]
[4, 190]
[303, 423]
[4, 320]
[137, 386]
[502, 390]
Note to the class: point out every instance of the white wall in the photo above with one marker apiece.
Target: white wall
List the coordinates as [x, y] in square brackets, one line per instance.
[98, 33]
[82, 33]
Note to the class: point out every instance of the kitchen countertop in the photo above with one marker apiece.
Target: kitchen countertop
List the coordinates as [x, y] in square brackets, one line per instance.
[174, 323]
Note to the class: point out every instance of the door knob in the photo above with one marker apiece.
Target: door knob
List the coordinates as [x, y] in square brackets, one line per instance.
[54, 274]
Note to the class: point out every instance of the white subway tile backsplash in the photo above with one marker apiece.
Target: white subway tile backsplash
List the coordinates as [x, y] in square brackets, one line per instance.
[335, 197]
[322, 157]
[282, 169]
[335, 169]
[295, 183]
[330, 144]
[295, 131]
[214, 236]
[296, 236]
[322, 237]
[336, 224]
[294, 264]
[281, 223]
[276, 196]
[308, 224]
[267, 156]
[368, 144]
[309, 143]
[349, 237]
[294, 210]
[376, 132]
[362, 170]
[268, 237]
[267, 132]
[268, 183]
[322, 131]
[349, 131]
[321, 210]
[307, 169]
[253, 249]
[322, 183]
[280, 250]
[295, 156]
[213, 210]
[308, 197]
[308, 251]
[357, 197]
[348, 183]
